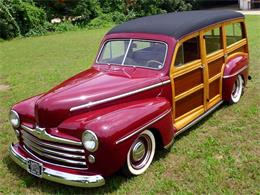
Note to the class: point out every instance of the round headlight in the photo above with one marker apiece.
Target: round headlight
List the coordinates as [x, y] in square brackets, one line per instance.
[90, 141]
[14, 119]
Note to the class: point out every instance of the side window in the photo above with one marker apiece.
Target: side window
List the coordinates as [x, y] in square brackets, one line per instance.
[188, 52]
[234, 33]
[213, 40]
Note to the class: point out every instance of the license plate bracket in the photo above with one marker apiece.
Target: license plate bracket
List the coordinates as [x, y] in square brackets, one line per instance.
[35, 168]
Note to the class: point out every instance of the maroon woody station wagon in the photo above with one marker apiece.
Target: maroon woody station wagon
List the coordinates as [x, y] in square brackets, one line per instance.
[152, 79]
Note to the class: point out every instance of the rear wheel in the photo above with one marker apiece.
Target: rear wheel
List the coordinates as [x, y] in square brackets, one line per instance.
[140, 154]
[237, 89]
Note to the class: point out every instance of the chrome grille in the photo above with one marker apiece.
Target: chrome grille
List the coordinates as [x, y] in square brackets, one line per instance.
[54, 153]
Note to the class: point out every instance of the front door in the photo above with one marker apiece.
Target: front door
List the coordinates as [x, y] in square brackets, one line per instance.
[187, 77]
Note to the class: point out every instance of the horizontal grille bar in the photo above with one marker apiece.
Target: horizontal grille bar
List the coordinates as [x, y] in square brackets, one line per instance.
[62, 154]
[55, 153]
[55, 157]
[49, 145]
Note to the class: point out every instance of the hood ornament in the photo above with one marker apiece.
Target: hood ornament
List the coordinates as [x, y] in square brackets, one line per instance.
[38, 129]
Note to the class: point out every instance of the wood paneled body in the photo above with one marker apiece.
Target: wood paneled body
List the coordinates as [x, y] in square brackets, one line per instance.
[197, 83]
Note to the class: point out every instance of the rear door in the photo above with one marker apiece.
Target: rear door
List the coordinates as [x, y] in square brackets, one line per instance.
[214, 59]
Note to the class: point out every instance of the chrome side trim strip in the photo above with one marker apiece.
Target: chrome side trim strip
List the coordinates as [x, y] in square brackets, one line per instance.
[30, 144]
[53, 157]
[90, 104]
[198, 119]
[58, 176]
[144, 127]
[236, 73]
[46, 136]
[49, 145]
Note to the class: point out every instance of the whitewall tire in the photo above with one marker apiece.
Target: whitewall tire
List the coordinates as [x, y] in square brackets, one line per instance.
[140, 154]
[237, 90]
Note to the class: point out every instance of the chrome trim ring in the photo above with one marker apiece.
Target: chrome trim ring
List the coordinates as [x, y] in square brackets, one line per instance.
[90, 104]
[58, 176]
[138, 151]
[42, 134]
[139, 166]
[95, 138]
[17, 117]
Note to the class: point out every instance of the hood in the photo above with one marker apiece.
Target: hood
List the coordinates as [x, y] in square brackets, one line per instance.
[88, 86]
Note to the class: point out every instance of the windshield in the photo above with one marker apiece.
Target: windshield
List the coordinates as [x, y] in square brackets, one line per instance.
[142, 53]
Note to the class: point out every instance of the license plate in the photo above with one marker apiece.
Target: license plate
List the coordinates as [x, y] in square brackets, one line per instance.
[34, 167]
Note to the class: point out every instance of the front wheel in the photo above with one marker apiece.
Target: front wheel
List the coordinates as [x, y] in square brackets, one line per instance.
[140, 154]
[237, 89]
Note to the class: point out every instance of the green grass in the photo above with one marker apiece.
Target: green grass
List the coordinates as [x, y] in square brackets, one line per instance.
[221, 154]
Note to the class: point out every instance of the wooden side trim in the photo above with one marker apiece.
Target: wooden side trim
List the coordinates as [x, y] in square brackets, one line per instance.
[214, 56]
[217, 76]
[188, 117]
[236, 45]
[187, 68]
[190, 91]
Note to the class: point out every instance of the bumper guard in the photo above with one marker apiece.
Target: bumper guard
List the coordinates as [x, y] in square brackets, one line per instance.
[58, 176]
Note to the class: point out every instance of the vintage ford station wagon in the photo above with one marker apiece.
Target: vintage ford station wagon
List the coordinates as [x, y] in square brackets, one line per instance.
[152, 79]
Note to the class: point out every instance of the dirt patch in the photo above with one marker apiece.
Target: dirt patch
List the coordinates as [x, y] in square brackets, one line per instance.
[4, 87]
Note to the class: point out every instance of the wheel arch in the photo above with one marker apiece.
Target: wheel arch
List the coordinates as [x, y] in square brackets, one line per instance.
[236, 65]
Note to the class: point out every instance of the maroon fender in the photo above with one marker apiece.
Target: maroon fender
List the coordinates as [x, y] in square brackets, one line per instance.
[26, 108]
[118, 126]
[236, 64]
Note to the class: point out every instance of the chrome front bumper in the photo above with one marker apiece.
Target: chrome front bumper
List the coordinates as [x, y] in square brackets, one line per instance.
[58, 176]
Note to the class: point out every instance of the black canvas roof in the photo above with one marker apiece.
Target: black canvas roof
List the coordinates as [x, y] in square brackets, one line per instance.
[175, 24]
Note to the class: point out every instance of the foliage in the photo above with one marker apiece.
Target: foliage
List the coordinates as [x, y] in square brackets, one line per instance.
[32, 17]
[63, 27]
[87, 10]
[19, 17]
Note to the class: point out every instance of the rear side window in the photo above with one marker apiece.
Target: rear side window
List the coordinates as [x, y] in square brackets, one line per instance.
[234, 33]
[188, 52]
[213, 40]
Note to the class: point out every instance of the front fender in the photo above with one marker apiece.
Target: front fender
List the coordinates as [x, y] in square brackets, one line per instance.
[118, 126]
[236, 64]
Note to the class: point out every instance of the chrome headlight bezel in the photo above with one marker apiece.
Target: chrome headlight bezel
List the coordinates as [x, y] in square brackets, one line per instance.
[14, 116]
[90, 136]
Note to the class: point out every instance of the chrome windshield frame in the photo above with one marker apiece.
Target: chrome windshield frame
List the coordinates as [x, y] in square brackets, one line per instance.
[130, 42]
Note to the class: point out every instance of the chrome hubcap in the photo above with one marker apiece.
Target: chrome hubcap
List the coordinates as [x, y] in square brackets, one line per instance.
[141, 152]
[138, 151]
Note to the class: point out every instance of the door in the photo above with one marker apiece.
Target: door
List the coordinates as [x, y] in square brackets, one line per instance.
[214, 63]
[187, 77]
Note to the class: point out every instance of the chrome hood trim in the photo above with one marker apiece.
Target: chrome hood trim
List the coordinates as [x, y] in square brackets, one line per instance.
[90, 104]
[42, 134]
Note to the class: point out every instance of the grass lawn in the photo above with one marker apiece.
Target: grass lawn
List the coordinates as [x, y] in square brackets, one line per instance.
[221, 154]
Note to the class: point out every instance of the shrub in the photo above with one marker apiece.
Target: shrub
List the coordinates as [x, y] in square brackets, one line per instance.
[87, 10]
[104, 20]
[63, 27]
[19, 17]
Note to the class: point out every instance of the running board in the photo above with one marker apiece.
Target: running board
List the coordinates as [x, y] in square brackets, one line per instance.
[198, 119]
